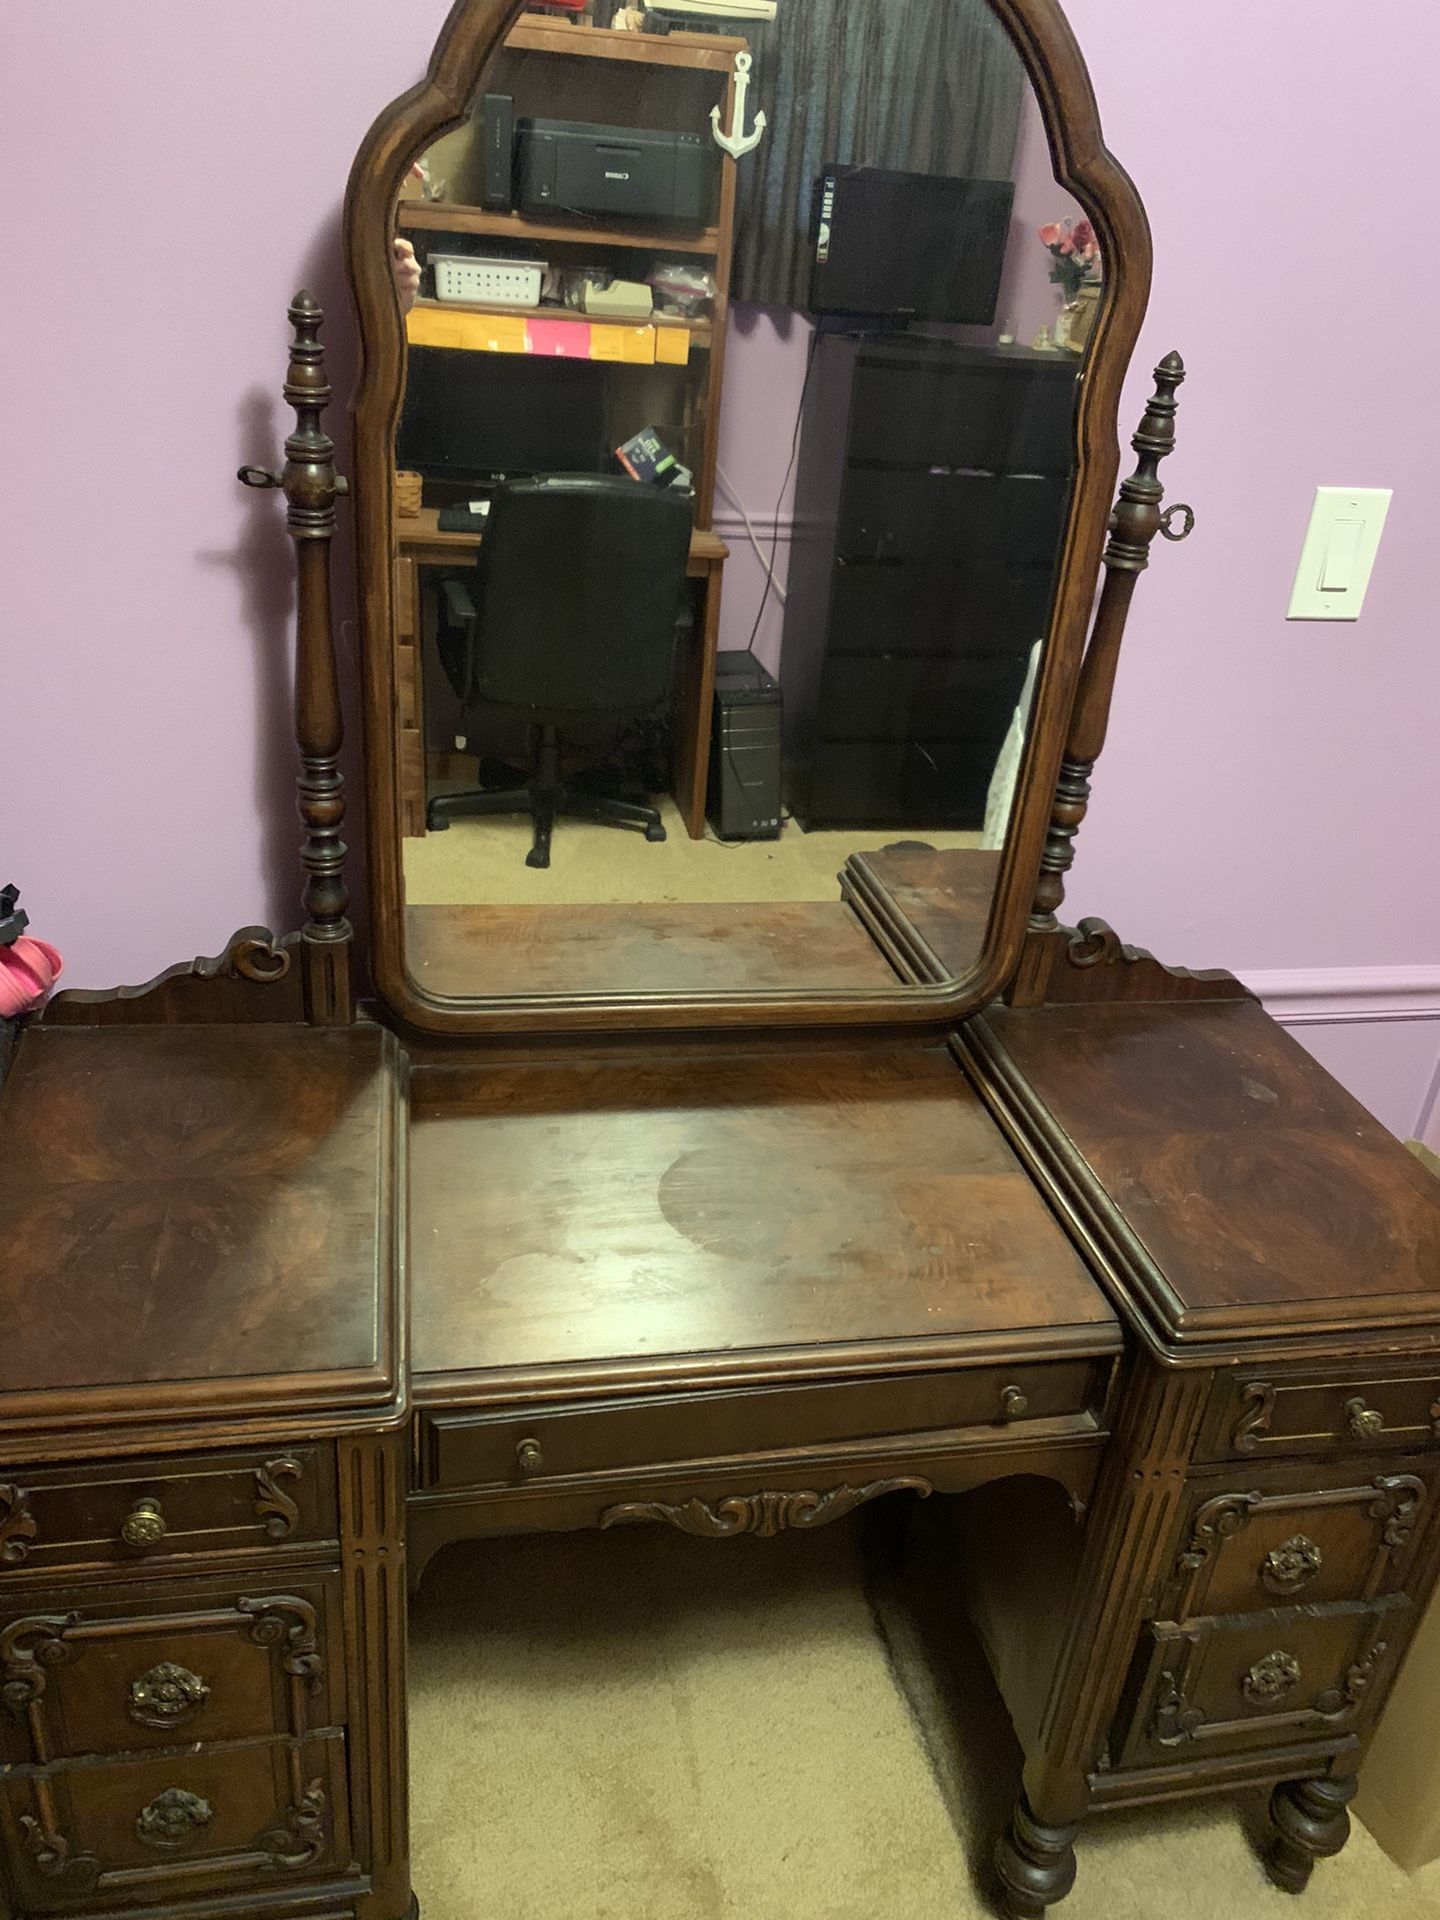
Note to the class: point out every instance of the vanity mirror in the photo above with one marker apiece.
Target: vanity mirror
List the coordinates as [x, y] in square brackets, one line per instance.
[732, 458]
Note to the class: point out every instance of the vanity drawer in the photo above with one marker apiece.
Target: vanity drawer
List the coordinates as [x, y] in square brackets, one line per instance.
[113, 1670]
[512, 1447]
[154, 1829]
[1250, 1416]
[1293, 1674]
[132, 1512]
[1280, 1538]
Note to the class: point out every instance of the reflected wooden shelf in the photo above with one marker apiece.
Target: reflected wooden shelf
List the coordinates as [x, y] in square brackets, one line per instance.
[698, 330]
[707, 51]
[453, 216]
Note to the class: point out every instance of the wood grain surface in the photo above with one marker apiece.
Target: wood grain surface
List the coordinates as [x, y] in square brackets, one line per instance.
[197, 1204]
[655, 947]
[577, 1212]
[1257, 1194]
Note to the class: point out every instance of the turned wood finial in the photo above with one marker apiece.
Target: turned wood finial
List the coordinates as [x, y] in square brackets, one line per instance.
[311, 487]
[1134, 522]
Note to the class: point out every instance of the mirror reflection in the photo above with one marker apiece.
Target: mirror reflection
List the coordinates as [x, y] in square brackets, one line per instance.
[731, 475]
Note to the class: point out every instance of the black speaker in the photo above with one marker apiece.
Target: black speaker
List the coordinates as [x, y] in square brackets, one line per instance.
[499, 125]
[743, 802]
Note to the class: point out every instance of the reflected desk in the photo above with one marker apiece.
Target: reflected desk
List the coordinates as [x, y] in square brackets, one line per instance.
[419, 543]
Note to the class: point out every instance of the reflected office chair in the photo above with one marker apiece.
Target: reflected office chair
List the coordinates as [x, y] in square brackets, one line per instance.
[577, 593]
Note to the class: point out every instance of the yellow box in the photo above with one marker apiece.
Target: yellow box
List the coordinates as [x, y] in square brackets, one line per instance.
[495, 332]
[672, 346]
[428, 327]
[633, 344]
[474, 332]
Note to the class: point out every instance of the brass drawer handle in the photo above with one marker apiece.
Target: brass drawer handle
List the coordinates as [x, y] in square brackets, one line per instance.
[1014, 1405]
[1364, 1422]
[1291, 1565]
[167, 1696]
[144, 1525]
[172, 1819]
[1271, 1679]
[529, 1457]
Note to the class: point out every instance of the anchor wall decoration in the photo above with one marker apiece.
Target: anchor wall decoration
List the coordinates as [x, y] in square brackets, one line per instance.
[737, 142]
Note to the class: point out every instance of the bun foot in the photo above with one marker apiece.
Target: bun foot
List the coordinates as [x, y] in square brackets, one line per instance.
[1311, 1823]
[1036, 1864]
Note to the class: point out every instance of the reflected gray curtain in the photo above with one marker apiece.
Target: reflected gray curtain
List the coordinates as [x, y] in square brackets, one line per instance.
[925, 86]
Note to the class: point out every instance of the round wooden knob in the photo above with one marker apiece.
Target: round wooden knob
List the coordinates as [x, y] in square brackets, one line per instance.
[144, 1525]
[529, 1457]
[1364, 1422]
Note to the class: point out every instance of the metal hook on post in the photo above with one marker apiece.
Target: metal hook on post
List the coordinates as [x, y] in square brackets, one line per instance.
[738, 142]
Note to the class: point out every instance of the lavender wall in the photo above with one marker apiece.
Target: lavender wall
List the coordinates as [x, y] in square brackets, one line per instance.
[1263, 803]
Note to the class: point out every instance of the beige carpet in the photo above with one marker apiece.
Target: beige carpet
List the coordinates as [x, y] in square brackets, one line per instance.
[640, 1726]
[482, 863]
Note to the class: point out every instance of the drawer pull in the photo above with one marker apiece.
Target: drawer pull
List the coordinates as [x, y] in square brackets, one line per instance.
[1271, 1679]
[1013, 1404]
[1364, 1422]
[167, 1696]
[529, 1457]
[172, 1819]
[144, 1525]
[1291, 1565]
[17, 1525]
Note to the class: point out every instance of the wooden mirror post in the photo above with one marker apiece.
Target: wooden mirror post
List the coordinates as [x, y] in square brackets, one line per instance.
[311, 487]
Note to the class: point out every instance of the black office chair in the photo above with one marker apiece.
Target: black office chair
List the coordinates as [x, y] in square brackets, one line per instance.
[578, 588]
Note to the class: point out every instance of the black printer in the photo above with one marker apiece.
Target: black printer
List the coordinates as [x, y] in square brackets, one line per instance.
[633, 173]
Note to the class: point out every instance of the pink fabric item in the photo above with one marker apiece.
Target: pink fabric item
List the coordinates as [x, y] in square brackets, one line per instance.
[28, 970]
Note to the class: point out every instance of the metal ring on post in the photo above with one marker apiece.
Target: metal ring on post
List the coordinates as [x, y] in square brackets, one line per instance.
[1189, 517]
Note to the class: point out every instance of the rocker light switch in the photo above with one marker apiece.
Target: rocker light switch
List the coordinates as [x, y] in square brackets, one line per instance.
[1339, 551]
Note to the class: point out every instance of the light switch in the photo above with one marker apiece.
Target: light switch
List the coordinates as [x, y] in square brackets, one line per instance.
[1339, 551]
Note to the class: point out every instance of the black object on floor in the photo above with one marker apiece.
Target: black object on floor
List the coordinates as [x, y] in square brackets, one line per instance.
[743, 802]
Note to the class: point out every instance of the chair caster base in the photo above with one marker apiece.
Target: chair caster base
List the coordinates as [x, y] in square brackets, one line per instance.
[656, 832]
[537, 859]
[436, 823]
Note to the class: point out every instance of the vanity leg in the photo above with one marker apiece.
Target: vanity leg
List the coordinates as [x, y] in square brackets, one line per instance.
[1312, 1822]
[1036, 1863]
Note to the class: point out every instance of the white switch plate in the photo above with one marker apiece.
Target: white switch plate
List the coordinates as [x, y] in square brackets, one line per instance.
[1339, 551]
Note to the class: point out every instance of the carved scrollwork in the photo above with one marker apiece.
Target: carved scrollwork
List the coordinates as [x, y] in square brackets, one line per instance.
[1271, 1678]
[18, 1525]
[1095, 943]
[51, 1854]
[1219, 1519]
[272, 1504]
[1400, 1495]
[168, 1695]
[1259, 1403]
[764, 1514]
[289, 1626]
[1291, 1565]
[300, 1839]
[1335, 1701]
[172, 1820]
[28, 1648]
[260, 959]
[1174, 1721]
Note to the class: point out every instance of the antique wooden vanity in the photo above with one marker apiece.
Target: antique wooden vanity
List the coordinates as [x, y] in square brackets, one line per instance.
[311, 1270]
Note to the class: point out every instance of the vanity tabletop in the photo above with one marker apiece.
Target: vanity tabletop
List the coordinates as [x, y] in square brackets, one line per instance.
[1243, 1190]
[199, 1222]
[626, 1218]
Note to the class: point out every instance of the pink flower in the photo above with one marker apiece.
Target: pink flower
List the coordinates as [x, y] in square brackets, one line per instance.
[1051, 236]
[1083, 236]
[1067, 244]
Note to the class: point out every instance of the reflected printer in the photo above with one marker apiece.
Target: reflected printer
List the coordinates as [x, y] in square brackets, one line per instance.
[629, 173]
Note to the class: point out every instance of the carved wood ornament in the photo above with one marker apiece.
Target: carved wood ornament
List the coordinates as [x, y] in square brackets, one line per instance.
[763, 1514]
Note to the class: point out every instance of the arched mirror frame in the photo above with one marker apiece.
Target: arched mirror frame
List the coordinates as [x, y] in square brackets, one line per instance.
[1090, 173]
